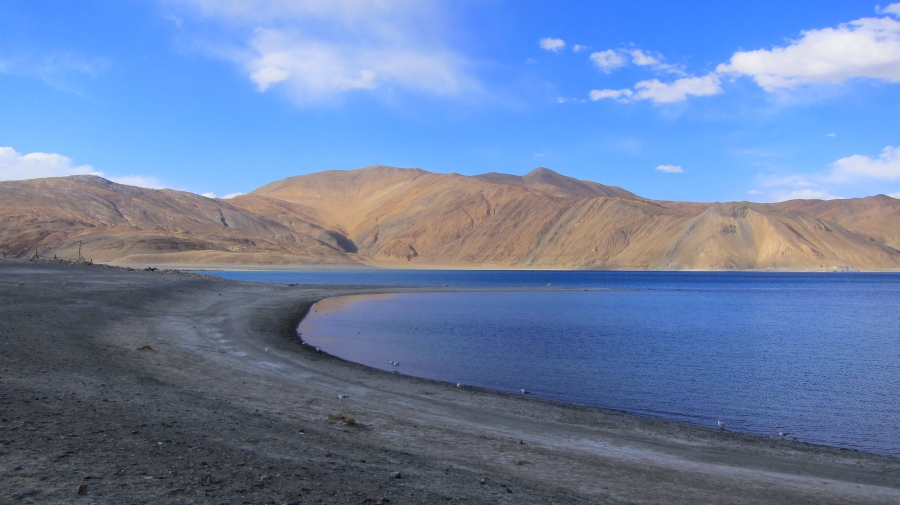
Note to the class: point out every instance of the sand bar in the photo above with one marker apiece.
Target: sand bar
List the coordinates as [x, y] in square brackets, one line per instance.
[161, 387]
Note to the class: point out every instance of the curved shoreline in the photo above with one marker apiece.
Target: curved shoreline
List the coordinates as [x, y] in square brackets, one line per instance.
[213, 408]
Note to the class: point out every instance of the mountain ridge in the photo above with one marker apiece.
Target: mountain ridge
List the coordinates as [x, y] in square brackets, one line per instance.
[408, 217]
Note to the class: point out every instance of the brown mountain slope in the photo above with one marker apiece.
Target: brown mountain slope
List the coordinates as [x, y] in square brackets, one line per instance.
[408, 217]
[127, 224]
[546, 220]
[547, 181]
[875, 217]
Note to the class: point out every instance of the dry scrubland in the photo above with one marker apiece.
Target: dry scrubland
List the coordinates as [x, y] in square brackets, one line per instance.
[395, 217]
[161, 387]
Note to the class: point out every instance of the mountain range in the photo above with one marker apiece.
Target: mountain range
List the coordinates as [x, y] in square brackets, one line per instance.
[411, 218]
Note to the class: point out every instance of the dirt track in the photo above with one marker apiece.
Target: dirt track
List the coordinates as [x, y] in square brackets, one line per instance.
[169, 388]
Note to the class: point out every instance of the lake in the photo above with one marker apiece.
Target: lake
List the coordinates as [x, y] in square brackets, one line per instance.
[816, 355]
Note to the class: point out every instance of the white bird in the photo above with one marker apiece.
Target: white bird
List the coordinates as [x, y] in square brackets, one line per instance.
[783, 434]
[318, 349]
[721, 425]
[396, 364]
[341, 397]
[391, 362]
[458, 385]
[523, 391]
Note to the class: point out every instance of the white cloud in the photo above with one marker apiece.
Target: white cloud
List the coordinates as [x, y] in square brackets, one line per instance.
[886, 167]
[831, 135]
[141, 181]
[608, 60]
[670, 169]
[661, 92]
[552, 44]
[578, 48]
[539, 155]
[621, 95]
[229, 196]
[753, 192]
[316, 49]
[891, 9]
[678, 91]
[15, 166]
[642, 59]
[530, 61]
[867, 48]
[795, 181]
[851, 173]
[805, 194]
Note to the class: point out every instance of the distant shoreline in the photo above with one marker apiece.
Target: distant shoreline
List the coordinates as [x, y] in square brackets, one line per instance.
[399, 267]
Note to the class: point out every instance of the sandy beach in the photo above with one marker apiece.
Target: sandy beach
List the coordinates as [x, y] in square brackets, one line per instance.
[135, 386]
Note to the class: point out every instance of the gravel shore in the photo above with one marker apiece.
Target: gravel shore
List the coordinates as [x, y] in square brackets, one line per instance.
[123, 386]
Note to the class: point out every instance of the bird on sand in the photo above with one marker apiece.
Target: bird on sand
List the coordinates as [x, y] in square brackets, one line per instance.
[721, 425]
[783, 434]
[458, 385]
[523, 391]
[341, 397]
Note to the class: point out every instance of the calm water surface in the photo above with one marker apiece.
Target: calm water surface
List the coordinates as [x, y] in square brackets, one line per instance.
[816, 355]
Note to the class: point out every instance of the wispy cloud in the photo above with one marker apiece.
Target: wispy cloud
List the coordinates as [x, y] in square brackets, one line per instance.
[660, 92]
[842, 176]
[608, 60]
[15, 166]
[612, 59]
[551, 44]
[141, 181]
[315, 50]
[57, 69]
[670, 169]
[226, 197]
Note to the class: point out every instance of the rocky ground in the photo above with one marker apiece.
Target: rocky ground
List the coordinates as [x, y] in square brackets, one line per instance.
[123, 387]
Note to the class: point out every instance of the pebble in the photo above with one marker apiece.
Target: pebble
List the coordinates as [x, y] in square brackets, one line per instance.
[396, 475]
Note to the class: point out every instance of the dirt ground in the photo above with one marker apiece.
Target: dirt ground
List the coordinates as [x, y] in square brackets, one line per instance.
[127, 387]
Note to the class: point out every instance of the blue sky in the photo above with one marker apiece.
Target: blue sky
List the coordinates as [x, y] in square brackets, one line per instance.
[703, 101]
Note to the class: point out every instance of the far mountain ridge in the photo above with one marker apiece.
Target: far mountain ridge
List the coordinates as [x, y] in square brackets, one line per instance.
[402, 217]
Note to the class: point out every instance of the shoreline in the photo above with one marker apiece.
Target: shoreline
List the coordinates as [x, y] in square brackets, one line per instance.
[512, 391]
[226, 404]
[372, 266]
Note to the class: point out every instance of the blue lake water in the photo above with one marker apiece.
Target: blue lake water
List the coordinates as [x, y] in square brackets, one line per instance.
[816, 355]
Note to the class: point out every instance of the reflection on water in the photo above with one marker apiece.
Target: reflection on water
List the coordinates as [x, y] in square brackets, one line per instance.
[815, 355]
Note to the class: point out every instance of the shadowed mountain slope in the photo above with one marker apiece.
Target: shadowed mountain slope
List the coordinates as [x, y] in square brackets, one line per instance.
[122, 223]
[409, 217]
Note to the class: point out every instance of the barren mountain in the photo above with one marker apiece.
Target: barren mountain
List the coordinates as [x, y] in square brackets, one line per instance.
[117, 223]
[409, 217]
